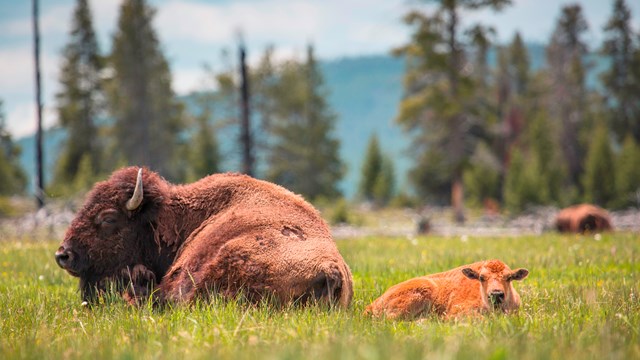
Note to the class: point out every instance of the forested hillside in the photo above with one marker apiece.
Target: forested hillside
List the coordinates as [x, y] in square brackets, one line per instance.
[363, 91]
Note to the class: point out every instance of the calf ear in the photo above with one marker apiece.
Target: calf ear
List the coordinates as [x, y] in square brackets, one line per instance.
[518, 274]
[471, 274]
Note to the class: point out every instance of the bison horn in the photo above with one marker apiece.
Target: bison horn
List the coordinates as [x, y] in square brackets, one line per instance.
[136, 199]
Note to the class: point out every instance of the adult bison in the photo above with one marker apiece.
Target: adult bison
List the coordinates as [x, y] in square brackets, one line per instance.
[227, 233]
[466, 290]
[583, 218]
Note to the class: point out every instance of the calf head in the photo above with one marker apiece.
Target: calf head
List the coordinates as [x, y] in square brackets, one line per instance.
[113, 229]
[495, 279]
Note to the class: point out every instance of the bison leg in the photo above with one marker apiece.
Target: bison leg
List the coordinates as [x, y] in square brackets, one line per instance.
[408, 304]
[233, 270]
[140, 284]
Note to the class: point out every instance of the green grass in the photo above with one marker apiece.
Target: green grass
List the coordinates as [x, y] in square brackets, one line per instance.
[580, 301]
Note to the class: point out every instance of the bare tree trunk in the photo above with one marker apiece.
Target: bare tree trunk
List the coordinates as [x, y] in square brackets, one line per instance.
[457, 199]
[39, 184]
[245, 132]
[457, 136]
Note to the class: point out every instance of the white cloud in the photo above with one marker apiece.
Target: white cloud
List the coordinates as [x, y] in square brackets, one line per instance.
[207, 23]
[105, 18]
[193, 32]
[17, 88]
[188, 80]
[336, 28]
[16, 66]
[52, 21]
[21, 120]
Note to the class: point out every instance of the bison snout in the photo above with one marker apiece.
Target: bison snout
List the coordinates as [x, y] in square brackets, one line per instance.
[496, 297]
[66, 259]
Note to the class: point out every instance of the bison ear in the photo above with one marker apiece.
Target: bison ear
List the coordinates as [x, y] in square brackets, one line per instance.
[518, 274]
[471, 274]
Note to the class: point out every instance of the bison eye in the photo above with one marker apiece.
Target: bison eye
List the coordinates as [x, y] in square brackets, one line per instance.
[107, 217]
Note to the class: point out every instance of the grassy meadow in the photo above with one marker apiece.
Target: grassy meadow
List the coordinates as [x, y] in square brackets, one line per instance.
[580, 301]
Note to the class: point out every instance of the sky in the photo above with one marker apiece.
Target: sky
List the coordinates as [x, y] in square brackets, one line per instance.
[194, 32]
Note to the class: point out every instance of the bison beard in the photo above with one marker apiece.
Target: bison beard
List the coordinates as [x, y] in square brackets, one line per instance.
[227, 233]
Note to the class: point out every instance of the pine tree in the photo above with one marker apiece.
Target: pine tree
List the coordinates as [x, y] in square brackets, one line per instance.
[433, 182]
[264, 79]
[219, 106]
[522, 186]
[384, 187]
[546, 155]
[371, 168]
[515, 182]
[568, 94]
[481, 106]
[627, 174]
[622, 90]
[85, 178]
[598, 179]
[204, 153]
[519, 65]
[12, 177]
[377, 183]
[512, 67]
[80, 100]
[438, 103]
[304, 155]
[148, 118]
[480, 39]
[514, 103]
[482, 178]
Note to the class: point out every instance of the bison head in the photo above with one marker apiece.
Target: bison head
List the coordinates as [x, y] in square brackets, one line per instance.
[112, 229]
[495, 283]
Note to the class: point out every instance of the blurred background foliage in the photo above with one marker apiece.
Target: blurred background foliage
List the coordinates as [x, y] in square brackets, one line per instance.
[514, 124]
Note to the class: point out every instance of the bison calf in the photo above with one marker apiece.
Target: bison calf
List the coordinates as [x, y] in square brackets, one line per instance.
[468, 289]
[227, 234]
[583, 218]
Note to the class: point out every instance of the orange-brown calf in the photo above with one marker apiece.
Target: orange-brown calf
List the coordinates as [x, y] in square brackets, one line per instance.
[582, 218]
[468, 289]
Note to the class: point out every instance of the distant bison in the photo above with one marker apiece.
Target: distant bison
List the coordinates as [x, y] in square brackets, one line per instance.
[227, 233]
[468, 289]
[583, 218]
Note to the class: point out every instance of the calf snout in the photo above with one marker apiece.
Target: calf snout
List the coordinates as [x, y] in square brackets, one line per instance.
[496, 297]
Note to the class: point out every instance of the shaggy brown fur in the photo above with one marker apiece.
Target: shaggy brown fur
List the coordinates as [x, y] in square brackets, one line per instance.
[583, 218]
[468, 289]
[226, 233]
